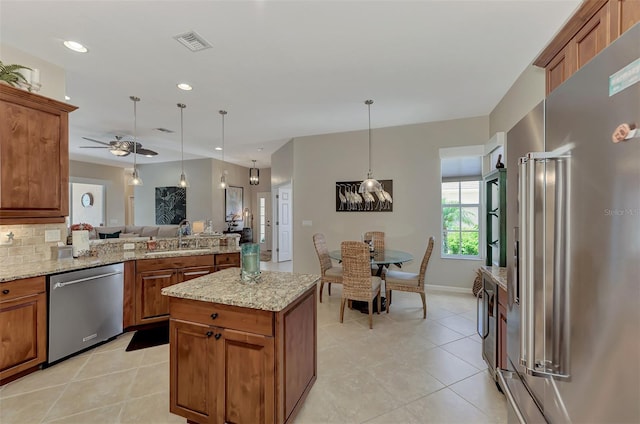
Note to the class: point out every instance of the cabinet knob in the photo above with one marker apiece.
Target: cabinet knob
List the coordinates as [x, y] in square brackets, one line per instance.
[209, 333]
[5, 291]
[217, 336]
[214, 315]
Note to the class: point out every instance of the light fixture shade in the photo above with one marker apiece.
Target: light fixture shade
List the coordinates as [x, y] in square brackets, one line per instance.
[183, 181]
[135, 179]
[254, 175]
[119, 152]
[370, 185]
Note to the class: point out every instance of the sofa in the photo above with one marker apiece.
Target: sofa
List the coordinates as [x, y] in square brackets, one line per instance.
[126, 231]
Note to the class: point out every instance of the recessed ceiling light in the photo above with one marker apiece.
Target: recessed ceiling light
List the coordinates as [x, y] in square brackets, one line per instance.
[67, 98]
[75, 46]
[260, 149]
[184, 86]
[218, 148]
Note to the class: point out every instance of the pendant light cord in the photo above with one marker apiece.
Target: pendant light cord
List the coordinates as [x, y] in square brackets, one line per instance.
[135, 130]
[223, 112]
[182, 106]
[369, 103]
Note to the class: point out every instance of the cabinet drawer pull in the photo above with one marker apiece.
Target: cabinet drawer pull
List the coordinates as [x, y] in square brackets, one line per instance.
[217, 336]
[214, 315]
[209, 333]
[5, 291]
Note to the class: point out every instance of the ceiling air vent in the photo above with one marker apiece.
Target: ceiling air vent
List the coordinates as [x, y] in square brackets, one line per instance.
[193, 41]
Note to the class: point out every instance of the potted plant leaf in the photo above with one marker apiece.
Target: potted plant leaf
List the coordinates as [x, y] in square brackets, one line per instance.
[12, 76]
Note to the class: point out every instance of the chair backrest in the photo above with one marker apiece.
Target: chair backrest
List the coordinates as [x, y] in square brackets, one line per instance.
[323, 253]
[425, 261]
[356, 267]
[378, 239]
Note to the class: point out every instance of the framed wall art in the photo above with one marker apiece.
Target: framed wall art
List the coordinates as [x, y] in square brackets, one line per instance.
[233, 204]
[349, 200]
[171, 205]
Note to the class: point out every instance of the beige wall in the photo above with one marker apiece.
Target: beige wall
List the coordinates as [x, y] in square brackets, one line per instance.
[282, 165]
[113, 178]
[409, 156]
[204, 199]
[52, 77]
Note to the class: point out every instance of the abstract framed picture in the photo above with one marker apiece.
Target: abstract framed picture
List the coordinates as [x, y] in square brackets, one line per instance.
[171, 205]
[233, 204]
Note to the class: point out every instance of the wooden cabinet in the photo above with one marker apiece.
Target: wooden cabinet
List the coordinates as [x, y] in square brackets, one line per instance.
[501, 353]
[241, 365]
[34, 158]
[23, 326]
[227, 260]
[152, 275]
[595, 25]
[496, 220]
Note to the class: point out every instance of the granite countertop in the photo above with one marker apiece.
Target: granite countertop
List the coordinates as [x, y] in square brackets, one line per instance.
[274, 292]
[35, 269]
[497, 274]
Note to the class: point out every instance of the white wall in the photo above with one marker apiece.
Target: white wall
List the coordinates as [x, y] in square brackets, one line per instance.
[409, 156]
[92, 214]
[52, 77]
[282, 165]
[113, 178]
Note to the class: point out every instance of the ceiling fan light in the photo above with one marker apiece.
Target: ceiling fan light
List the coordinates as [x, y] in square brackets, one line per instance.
[120, 152]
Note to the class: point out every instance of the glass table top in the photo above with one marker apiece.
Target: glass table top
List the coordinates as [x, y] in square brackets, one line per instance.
[388, 256]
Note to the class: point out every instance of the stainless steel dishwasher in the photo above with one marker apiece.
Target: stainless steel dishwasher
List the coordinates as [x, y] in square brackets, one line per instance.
[85, 308]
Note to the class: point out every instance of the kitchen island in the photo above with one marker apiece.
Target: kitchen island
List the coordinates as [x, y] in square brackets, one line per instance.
[239, 352]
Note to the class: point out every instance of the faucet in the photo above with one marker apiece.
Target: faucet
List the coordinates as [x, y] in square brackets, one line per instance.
[181, 225]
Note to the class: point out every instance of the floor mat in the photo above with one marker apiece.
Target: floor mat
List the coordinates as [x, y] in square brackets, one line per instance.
[150, 337]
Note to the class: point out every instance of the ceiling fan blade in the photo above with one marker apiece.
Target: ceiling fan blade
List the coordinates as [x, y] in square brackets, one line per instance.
[146, 152]
[96, 141]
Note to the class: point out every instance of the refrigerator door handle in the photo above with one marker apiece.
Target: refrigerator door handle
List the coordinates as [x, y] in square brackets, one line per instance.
[523, 260]
[529, 319]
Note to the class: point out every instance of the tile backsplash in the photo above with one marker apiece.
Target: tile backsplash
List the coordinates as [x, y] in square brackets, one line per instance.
[28, 243]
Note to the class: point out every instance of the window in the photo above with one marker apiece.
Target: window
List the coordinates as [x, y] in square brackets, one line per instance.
[460, 218]
[461, 170]
[263, 220]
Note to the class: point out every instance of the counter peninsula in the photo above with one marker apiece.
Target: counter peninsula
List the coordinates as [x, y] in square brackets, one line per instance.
[242, 353]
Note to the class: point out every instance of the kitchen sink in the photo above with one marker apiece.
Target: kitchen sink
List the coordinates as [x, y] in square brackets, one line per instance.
[176, 252]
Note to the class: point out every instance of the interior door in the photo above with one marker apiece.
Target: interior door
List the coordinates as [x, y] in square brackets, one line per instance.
[283, 222]
[264, 215]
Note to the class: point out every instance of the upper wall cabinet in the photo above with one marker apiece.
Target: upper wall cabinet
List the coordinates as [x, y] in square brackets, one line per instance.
[34, 158]
[595, 25]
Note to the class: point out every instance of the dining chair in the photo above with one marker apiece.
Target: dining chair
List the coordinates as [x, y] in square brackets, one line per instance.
[357, 281]
[409, 282]
[378, 246]
[329, 273]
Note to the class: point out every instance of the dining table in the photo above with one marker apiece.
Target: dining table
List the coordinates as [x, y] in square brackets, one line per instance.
[381, 258]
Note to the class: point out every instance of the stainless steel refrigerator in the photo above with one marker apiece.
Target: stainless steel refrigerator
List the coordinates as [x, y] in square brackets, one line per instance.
[573, 321]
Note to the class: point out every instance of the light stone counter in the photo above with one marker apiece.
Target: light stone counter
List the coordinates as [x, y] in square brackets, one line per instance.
[35, 269]
[274, 292]
[497, 274]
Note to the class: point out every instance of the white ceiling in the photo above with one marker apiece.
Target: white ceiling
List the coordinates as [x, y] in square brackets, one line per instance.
[282, 69]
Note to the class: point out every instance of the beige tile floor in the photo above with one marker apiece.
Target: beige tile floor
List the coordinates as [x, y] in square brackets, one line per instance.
[405, 370]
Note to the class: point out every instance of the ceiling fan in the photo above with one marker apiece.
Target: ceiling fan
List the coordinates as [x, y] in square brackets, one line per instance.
[121, 147]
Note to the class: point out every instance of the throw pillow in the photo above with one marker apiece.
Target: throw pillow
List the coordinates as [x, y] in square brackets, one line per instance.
[109, 235]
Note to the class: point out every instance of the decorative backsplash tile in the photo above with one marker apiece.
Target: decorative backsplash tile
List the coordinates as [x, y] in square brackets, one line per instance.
[28, 243]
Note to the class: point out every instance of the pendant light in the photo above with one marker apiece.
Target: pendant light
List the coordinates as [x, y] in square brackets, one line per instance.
[135, 179]
[223, 178]
[254, 174]
[370, 185]
[183, 178]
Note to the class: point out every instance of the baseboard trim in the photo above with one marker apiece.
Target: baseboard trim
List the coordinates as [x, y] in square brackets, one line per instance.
[433, 287]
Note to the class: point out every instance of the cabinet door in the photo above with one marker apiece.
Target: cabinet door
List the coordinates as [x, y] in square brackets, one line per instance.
[190, 273]
[227, 260]
[624, 14]
[246, 394]
[152, 305]
[592, 38]
[23, 331]
[559, 69]
[193, 367]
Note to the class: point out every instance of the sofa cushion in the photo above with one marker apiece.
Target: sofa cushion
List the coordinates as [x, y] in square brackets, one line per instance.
[168, 231]
[136, 229]
[109, 235]
[128, 235]
[149, 232]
